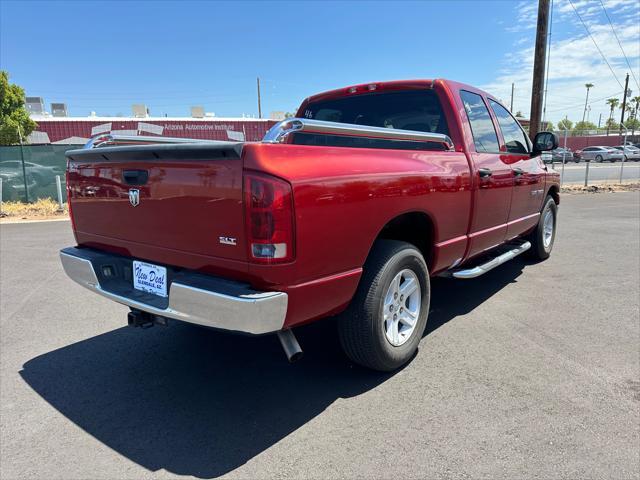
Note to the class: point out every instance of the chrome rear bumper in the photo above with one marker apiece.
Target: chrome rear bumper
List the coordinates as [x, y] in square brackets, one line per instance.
[192, 298]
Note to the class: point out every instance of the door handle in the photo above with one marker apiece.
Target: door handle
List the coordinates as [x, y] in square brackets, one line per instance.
[518, 171]
[135, 177]
[485, 172]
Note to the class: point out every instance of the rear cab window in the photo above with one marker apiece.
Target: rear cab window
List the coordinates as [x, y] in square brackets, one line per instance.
[418, 110]
[514, 137]
[484, 133]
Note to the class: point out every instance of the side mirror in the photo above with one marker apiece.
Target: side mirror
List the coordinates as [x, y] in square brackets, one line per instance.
[544, 141]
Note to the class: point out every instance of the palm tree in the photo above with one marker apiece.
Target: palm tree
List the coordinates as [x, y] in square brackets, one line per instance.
[589, 86]
[613, 103]
[634, 113]
[636, 100]
[631, 117]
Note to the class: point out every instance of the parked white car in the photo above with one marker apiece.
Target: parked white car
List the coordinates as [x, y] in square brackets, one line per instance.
[600, 154]
[630, 152]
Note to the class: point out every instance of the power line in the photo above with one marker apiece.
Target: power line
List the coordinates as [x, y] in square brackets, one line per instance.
[595, 43]
[580, 104]
[620, 45]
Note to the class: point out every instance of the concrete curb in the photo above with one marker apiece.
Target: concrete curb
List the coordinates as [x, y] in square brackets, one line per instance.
[12, 221]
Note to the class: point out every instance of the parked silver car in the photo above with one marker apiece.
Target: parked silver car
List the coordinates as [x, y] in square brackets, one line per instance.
[630, 152]
[601, 154]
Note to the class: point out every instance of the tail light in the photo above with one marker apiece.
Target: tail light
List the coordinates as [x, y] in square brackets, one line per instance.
[269, 218]
[68, 188]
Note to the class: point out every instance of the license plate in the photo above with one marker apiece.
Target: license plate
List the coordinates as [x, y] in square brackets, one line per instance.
[150, 278]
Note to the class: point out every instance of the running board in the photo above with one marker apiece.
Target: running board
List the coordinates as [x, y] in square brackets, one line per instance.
[491, 264]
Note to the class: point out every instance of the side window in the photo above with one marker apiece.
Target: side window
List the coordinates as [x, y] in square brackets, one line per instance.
[514, 137]
[484, 133]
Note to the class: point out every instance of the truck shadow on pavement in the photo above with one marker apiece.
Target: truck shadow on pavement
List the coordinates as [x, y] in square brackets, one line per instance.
[197, 402]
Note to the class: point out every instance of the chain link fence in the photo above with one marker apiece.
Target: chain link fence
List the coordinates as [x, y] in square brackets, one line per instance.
[579, 164]
[29, 172]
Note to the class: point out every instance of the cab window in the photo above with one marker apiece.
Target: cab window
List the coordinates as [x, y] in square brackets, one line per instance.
[514, 138]
[484, 133]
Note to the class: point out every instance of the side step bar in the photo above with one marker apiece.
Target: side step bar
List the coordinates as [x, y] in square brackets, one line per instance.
[491, 264]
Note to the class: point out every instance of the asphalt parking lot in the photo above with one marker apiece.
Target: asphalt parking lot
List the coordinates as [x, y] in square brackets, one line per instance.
[530, 371]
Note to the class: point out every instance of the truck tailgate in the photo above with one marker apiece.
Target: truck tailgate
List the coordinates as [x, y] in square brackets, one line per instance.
[184, 197]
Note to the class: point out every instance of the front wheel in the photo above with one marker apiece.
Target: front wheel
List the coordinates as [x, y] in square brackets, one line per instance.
[385, 322]
[544, 234]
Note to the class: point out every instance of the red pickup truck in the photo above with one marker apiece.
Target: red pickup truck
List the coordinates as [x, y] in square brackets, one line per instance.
[347, 209]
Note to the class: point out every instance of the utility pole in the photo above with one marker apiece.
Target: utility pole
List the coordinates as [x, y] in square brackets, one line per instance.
[624, 102]
[259, 103]
[512, 87]
[539, 67]
[599, 120]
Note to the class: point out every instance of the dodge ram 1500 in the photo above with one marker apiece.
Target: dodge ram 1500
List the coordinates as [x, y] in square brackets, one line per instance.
[347, 209]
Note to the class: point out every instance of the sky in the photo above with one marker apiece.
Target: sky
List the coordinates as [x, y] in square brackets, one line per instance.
[169, 55]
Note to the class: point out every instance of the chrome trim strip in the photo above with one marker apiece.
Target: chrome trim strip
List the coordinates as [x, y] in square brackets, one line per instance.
[491, 264]
[256, 313]
[279, 132]
[107, 139]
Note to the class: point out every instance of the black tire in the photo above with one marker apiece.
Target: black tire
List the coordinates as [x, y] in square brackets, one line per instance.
[361, 326]
[599, 158]
[538, 250]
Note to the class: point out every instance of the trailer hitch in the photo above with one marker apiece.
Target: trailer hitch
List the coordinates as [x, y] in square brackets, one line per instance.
[138, 318]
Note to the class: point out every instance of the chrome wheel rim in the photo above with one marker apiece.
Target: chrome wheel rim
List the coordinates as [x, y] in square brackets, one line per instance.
[402, 307]
[547, 229]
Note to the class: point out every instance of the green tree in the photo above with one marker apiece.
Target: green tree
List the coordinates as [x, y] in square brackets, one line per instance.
[583, 126]
[519, 114]
[14, 118]
[548, 126]
[565, 124]
[613, 103]
[611, 124]
[632, 124]
[636, 100]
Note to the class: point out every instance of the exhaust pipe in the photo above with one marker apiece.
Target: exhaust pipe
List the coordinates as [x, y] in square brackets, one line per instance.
[290, 345]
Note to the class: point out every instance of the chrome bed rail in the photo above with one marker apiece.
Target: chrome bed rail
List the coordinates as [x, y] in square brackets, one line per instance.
[279, 132]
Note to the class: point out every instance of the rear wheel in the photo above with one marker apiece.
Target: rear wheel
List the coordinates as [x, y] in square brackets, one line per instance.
[544, 235]
[598, 158]
[385, 322]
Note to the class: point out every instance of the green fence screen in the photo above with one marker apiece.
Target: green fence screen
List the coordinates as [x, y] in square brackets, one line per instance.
[40, 163]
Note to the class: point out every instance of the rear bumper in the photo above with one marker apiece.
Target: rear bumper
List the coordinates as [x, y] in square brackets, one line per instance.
[192, 298]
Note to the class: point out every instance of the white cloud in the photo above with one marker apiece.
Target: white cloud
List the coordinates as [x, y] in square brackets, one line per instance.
[574, 59]
[526, 16]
